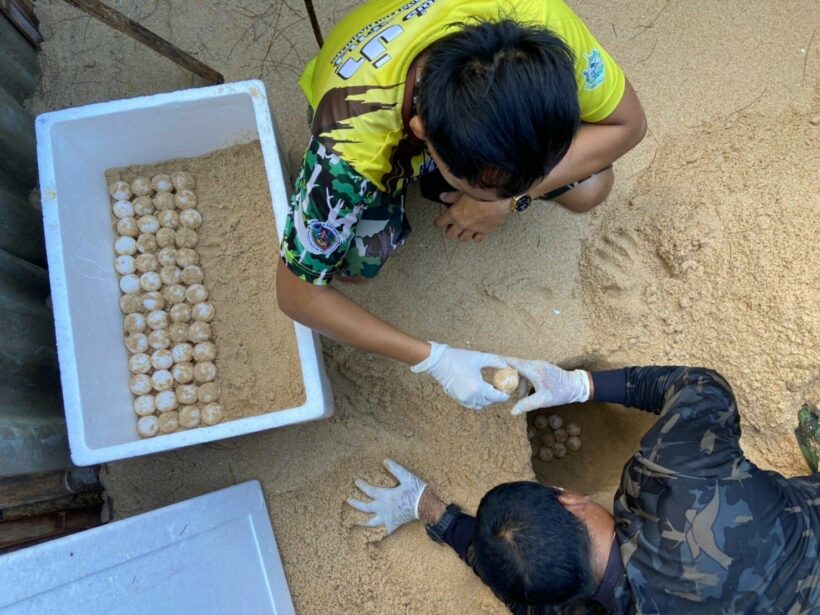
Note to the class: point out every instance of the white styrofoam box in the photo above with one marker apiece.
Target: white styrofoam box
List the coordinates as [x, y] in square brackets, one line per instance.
[210, 555]
[74, 148]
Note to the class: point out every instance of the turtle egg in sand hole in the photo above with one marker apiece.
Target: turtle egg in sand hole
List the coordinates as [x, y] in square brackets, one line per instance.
[561, 435]
[555, 421]
[573, 429]
[506, 379]
[559, 450]
[574, 443]
[540, 421]
[545, 453]
[123, 209]
[121, 191]
[148, 426]
[125, 245]
[211, 414]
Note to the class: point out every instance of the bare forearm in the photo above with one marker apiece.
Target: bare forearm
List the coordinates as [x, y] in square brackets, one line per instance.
[329, 312]
[430, 507]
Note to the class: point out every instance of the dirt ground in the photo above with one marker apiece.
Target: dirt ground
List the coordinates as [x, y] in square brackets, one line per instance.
[705, 253]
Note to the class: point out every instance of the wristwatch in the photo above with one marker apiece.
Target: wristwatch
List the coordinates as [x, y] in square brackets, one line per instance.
[521, 203]
[436, 532]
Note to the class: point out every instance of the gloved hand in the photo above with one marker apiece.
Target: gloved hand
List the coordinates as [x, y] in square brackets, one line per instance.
[459, 372]
[553, 385]
[393, 506]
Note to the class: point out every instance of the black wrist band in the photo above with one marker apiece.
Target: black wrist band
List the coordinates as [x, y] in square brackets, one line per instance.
[436, 532]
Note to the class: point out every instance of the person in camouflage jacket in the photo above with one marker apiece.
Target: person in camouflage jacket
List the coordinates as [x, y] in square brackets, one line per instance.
[697, 527]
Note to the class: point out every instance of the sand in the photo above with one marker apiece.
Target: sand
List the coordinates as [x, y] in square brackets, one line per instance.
[705, 253]
[257, 358]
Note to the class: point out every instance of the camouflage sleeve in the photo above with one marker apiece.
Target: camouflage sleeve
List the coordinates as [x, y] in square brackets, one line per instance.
[328, 200]
[698, 432]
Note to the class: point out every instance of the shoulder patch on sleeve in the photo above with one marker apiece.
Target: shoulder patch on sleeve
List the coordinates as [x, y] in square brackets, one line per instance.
[595, 72]
[322, 238]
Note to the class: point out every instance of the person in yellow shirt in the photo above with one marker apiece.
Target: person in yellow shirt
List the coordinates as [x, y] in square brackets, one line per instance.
[489, 105]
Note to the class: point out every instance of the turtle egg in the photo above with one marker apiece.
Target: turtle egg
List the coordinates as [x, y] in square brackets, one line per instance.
[153, 301]
[189, 416]
[561, 435]
[125, 245]
[185, 199]
[205, 351]
[164, 201]
[199, 332]
[573, 429]
[141, 186]
[123, 209]
[547, 439]
[169, 219]
[204, 371]
[190, 218]
[148, 224]
[121, 191]
[128, 227]
[148, 426]
[170, 274]
[162, 359]
[144, 405]
[555, 421]
[130, 283]
[203, 312]
[159, 339]
[208, 393]
[139, 364]
[187, 393]
[211, 414]
[192, 274]
[167, 257]
[186, 238]
[574, 443]
[146, 262]
[196, 293]
[134, 323]
[183, 180]
[158, 319]
[125, 264]
[166, 237]
[162, 380]
[140, 384]
[168, 421]
[143, 206]
[184, 372]
[130, 303]
[166, 401]
[147, 243]
[178, 332]
[506, 379]
[187, 257]
[540, 421]
[559, 450]
[181, 312]
[136, 342]
[545, 453]
[162, 183]
[150, 280]
[174, 294]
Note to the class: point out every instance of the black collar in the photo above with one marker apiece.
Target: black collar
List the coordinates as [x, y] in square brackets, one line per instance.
[612, 576]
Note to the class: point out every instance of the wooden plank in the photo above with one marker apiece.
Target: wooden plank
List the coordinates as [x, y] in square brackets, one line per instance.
[21, 228]
[32, 488]
[18, 154]
[69, 502]
[21, 14]
[120, 22]
[19, 67]
[25, 532]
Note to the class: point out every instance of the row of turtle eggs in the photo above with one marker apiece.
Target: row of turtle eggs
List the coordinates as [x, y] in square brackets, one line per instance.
[554, 444]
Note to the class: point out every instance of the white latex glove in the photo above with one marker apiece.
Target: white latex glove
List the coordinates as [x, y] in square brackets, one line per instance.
[393, 506]
[553, 385]
[459, 373]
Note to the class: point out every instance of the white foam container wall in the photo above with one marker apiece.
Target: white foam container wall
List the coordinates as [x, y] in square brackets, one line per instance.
[75, 147]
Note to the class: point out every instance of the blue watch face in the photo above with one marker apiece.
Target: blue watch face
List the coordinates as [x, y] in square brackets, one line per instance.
[523, 202]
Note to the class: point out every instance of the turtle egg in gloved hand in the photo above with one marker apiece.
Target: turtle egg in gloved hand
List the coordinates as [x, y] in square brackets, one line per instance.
[506, 379]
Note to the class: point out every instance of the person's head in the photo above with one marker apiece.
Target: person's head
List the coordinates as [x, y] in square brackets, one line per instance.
[498, 104]
[532, 548]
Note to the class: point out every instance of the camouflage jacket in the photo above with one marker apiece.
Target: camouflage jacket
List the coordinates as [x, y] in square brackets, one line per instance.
[700, 528]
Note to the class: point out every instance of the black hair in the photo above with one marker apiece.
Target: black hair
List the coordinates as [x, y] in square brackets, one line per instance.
[499, 103]
[528, 548]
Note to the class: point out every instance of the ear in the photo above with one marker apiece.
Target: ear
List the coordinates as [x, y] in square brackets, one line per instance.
[575, 503]
[417, 126]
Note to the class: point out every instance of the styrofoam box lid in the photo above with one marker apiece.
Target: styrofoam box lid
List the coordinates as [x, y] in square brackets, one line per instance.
[214, 554]
[74, 148]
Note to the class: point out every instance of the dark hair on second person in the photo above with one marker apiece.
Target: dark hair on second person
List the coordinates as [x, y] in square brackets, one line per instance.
[529, 549]
[499, 103]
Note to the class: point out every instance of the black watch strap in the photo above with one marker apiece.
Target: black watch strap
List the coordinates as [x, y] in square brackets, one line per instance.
[436, 532]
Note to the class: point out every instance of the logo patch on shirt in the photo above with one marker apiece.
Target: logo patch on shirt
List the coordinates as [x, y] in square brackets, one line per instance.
[595, 72]
[322, 237]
